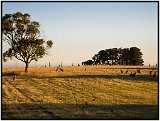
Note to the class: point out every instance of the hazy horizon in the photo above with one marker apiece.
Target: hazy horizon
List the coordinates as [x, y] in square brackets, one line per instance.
[80, 30]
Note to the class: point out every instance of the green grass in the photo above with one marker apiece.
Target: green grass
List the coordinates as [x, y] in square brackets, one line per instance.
[43, 93]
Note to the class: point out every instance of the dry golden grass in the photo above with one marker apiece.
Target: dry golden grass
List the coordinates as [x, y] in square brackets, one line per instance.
[43, 93]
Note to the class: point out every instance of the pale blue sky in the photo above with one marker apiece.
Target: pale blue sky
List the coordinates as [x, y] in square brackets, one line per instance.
[80, 30]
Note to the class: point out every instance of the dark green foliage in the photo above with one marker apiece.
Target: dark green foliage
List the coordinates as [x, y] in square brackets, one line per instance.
[136, 56]
[88, 62]
[126, 56]
[118, 56]
[23, 36]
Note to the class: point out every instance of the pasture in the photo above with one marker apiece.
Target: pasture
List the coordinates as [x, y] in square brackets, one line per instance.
[100, 92]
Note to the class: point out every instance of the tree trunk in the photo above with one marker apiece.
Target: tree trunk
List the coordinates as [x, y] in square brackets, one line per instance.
[26, 68]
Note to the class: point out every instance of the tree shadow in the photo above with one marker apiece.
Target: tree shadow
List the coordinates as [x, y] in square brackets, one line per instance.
[10, 73]
[123, 77]
[78, 111]
[107, 76]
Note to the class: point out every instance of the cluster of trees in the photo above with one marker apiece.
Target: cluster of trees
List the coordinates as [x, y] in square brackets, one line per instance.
[117, 56]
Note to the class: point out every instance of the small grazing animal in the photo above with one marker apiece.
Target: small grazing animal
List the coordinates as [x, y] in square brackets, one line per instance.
[138, 71]
[127, 71]
[134, 74]
[14, 78]
[154, 75]
[61, 69]
[150, 72]
[121, 71]
[86, 102]
[58, 68]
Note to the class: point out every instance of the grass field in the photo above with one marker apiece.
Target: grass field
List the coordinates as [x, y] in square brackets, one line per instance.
[43, 93]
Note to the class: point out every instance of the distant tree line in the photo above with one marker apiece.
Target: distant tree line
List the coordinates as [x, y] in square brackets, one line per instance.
[117, 56]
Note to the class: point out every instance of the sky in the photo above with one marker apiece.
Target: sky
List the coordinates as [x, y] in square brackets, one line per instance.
[81, 29]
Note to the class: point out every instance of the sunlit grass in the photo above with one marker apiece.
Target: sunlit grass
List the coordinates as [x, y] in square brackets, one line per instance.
[75, 86]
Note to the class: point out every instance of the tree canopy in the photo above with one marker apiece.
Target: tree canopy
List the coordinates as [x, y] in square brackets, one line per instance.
[117, 56]
[23, 37]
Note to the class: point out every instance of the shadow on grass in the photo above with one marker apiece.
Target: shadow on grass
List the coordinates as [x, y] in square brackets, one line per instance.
[124, 77]
[10, 74]
[78, 111]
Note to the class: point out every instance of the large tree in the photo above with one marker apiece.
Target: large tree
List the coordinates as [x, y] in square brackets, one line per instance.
[23, 36]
